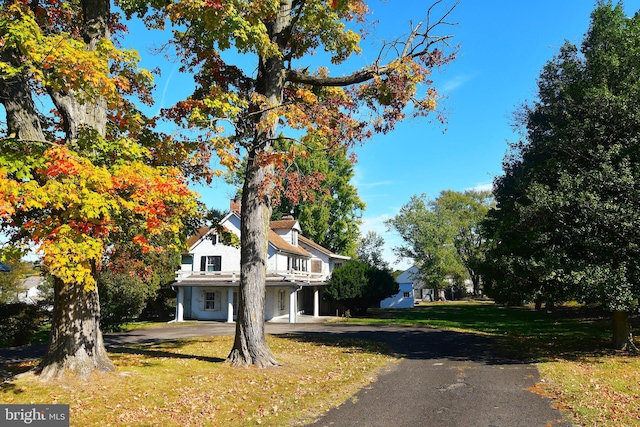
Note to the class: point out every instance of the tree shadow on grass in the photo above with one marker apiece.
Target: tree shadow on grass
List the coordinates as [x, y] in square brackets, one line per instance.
[162, 351]
[520, 333]
[414, 343]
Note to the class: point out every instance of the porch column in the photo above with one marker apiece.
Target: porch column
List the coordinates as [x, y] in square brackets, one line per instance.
[180, 305]
[229, 305]
[292, 305]
[316, 301]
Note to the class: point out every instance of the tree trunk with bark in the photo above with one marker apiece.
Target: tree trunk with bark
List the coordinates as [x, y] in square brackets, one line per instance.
[76, 343]
[622, 335]
[250, 345]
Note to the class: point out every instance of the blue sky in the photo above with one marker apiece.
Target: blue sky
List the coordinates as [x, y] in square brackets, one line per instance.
[503, 44]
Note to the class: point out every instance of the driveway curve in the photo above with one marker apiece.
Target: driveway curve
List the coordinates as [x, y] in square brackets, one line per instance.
[444, 378]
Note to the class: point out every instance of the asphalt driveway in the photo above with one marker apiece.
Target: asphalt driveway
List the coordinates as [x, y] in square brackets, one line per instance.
[444, 378]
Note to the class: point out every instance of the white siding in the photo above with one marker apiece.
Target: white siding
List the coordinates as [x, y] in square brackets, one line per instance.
[399, 300]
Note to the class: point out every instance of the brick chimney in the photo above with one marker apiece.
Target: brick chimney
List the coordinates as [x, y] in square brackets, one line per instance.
[235, 206]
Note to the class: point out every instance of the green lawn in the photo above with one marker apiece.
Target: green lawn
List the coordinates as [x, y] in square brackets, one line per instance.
[594, 384]
[535, 334]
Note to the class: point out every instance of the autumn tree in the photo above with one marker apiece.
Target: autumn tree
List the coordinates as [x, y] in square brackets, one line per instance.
[330, 213]
[332, 216]
[254, 68]
[568, 204]
[80, 169]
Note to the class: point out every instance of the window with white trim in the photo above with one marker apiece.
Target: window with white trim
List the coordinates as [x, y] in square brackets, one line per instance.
[211, 263]
[210, 301]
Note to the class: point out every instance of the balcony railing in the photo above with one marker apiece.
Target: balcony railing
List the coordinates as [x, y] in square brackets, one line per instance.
[234, 276]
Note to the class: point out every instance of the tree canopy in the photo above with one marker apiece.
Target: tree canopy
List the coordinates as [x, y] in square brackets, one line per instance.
[568, 204]
[80, 169]
[429, 232]
[331, 216]
[284, 90]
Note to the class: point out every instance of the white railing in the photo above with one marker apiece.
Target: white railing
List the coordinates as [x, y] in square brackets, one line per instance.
[234, 276]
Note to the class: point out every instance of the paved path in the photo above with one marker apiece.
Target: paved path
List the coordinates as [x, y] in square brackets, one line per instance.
[444, 378]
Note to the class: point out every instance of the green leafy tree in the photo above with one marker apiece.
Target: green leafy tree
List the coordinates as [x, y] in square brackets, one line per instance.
[568, 204]
[369, 250]
[466, 211]
[428, 235]
[332, 216]
[357, 286]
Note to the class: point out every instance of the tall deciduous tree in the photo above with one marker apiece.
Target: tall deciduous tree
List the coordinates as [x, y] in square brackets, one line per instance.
[466, 211]
[327, 111]
[568, 204]
[78, 179]
[332, 216]
[370, 248]
[428, 235]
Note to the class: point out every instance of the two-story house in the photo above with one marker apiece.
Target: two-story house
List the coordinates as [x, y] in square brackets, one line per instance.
[297, 270]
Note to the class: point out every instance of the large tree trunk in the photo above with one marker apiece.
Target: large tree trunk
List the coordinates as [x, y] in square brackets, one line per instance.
[76, 341]
[622, 336]
[250, 345]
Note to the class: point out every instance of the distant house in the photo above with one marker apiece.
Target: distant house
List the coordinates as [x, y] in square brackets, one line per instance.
[403, 299]
[297, 272]
[422, 291]
[4, 268]
[28, 290]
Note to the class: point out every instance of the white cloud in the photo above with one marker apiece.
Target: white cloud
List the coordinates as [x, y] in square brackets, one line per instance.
[482, 187]
[453, 84]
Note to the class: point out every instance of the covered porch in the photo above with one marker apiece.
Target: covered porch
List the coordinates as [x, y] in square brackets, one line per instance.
[285, 301]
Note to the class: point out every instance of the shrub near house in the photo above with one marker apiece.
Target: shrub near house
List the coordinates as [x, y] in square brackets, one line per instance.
[358, 286]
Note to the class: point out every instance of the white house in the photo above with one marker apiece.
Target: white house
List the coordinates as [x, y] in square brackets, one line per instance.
[297, 270]
[404, 298]
[410, 279]
[28, 289]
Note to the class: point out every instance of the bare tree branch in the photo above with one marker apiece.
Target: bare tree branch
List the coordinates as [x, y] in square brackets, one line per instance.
[416, 44]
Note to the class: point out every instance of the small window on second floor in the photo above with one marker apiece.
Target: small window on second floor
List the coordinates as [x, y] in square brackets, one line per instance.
[407, 294]
[211, 263]
[294, 237]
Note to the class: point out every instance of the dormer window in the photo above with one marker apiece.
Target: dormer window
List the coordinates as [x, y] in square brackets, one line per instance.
[294, 237]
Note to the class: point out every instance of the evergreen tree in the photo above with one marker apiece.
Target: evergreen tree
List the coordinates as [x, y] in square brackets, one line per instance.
[568, 204]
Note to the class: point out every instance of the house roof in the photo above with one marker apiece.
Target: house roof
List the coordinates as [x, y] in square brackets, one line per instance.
[316, 246]
[282, 245]
[30, 282]
[5, 268]
[274, 239]
[202, 231]
[283, 224]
